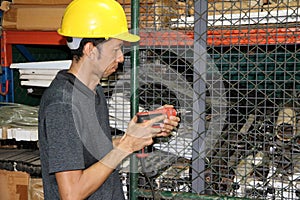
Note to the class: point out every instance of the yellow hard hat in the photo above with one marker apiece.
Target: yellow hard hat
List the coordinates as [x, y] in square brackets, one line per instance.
[96, 19]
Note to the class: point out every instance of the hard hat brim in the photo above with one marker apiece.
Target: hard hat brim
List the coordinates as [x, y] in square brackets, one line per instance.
[128, 37]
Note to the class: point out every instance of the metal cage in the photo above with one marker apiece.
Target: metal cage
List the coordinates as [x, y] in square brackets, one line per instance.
[233, 67]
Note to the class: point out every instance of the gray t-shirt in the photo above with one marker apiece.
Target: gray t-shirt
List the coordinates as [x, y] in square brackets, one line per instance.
[74, 133]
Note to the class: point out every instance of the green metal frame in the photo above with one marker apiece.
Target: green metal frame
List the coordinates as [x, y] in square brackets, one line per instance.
[134, 99]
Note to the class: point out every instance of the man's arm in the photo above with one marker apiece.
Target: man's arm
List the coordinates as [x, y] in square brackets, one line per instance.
[79, 184]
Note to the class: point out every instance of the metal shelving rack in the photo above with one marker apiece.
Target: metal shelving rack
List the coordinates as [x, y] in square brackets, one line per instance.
[159, 38]
[9, 38]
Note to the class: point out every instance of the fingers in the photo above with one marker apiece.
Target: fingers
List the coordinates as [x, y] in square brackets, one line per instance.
[168, 126]
[159, 125]
[133, 120]
[174, 121]
[147, 129]
[157, 120]
[166, 106]
[139, 135]
[165, 122]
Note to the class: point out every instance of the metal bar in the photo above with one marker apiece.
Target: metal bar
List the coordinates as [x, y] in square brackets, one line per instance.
[6, 51]
[216, 37]
[199, 85]
[134, 99]
[7, 73]
[25, 52]
[34, 37]
[7, 90]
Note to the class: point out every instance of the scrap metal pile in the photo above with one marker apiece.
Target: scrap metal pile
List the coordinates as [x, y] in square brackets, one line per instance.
[261, 161]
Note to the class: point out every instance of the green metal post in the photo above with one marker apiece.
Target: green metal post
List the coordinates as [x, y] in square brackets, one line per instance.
[134, 58]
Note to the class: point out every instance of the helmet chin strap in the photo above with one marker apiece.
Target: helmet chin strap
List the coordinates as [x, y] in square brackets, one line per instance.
[74, 44]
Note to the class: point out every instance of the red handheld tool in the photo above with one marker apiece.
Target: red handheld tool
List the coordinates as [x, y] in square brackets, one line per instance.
[147, 115]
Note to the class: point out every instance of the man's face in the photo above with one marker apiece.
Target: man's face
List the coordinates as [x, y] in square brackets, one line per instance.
[111, 54]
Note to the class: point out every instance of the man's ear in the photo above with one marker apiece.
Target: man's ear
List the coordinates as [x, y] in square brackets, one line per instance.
[88, 49]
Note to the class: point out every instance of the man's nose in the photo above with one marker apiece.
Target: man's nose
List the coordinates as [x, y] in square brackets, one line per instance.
[120, 58]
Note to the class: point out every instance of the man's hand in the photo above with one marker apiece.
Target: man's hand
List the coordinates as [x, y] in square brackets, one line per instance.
[169, 124]
[139, 135]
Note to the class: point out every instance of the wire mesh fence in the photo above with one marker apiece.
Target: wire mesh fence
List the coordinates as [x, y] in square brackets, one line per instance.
[233, 66]
[257, 152]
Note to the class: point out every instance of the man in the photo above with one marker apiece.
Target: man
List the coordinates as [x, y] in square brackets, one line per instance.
[78, 157]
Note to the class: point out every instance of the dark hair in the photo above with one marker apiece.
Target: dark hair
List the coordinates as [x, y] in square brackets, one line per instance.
[78, 53]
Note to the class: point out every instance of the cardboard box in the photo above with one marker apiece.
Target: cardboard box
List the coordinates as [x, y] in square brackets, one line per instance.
[128, 2]
[14, 185]
[33, 17]
[48, 18]
[42, 2]
[65, 2]
[35, 191]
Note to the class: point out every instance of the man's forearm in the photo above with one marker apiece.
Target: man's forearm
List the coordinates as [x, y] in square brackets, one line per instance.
[79, 184]
[114, 158]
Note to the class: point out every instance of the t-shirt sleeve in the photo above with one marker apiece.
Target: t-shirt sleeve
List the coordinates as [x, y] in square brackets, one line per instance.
[64, 145]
